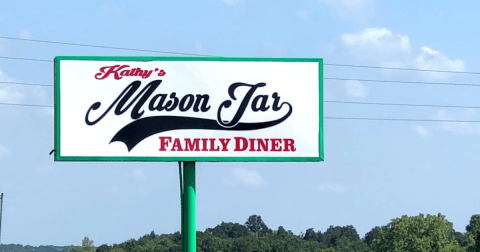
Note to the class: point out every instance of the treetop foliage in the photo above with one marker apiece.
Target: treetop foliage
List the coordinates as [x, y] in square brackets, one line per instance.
[430, 233]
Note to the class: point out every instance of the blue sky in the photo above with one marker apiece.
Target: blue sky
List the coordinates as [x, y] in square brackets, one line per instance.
[373, 171]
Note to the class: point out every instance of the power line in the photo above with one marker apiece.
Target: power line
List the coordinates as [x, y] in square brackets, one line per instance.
[398, 119]
[28, 59]
[26, 105]
[326, 117]
[193, 54]
[403, 104]
[326, 78]
[327, 101]
[407, 82]
[23, 83]
[104, 47]
[401, 68]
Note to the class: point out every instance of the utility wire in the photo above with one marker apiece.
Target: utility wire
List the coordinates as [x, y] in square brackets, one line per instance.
[327, 101]
[407, 82]
[104, 47]
[403, 104]
[26, 105]
[401, 68]
[28, 59]
[398, 119]
[193, 54]
[326, 78]
[326, 117]
[27, 84]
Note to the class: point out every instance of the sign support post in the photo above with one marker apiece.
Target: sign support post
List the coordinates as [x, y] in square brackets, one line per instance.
[189, 243]
[1, 210]
[182, 231]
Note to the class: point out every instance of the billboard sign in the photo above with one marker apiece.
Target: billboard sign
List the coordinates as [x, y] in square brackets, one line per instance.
[188, 109]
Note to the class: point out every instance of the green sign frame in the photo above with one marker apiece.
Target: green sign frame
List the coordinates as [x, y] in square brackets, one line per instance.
[57, 107]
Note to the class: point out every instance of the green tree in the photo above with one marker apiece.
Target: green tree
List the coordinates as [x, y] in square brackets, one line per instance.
[462, 239]
[75, 249]
[152, 234]
[249, 244]
[176, 237]
[232, 230]
[326, 250]
[210, 243]
[372, 235]
[473, 231]
[128, 245]
[103, 248]
[343, 239]
[117, 249]
[282, 233]
[255, 224]
[310, 235]
[87, 243]
[417, 234]
[87, 246]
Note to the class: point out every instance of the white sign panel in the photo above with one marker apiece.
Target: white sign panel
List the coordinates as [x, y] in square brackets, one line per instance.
[188, 109]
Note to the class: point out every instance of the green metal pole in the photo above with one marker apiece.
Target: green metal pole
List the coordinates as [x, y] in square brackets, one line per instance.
[1, 210]
[189, 207]
[182, 223]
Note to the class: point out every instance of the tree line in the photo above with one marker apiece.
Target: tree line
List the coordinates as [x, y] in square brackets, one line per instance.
[422, 233]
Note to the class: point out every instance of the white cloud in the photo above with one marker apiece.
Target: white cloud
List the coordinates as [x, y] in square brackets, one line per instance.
[380, 40]
[232, 2]
[422, 131]
[4, 77]
[25, 34]
[245, 177]
[389, 49]
[16, 94]
[458, 127]
[10, 95]
[432, 59]
[332, 188]
[4, 152]
[303, 14]
[138, 174]
[354, 88]
[351, 10]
